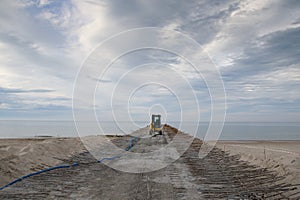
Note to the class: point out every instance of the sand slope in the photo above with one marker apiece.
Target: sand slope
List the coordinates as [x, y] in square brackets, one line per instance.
[19, 157]
[280, 156]
[218, 175]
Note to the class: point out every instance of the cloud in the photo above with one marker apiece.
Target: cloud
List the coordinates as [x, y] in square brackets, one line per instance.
[275, 51]
[254, 44]
[14, 91]
[100, 80]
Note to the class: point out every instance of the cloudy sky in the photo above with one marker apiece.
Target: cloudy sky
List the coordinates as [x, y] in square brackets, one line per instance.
[255, 45]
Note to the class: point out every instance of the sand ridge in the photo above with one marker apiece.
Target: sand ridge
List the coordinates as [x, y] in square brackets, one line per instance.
[19, 157]
[221, 174]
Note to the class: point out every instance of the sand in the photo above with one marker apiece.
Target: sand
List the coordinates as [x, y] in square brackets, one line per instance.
[19, 157]
[280, 156]
[22, 156]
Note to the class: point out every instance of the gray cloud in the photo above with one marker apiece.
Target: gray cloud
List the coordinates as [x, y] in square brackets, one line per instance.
[14, 91]
[100, 80]
[255, 44]
[277, 50]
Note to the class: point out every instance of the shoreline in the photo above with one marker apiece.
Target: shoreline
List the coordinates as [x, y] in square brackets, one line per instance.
[119, 135]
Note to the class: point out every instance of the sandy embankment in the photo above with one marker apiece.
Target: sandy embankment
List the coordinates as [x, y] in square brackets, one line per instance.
[19, 157]
[280, 156]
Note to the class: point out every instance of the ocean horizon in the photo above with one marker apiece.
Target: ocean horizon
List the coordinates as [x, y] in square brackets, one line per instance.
[231, 130]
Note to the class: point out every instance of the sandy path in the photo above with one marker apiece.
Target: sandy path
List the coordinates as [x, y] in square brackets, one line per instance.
[217, 176]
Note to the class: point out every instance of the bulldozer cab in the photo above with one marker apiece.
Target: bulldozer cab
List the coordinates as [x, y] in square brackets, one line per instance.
[155, 125]
[156, 121]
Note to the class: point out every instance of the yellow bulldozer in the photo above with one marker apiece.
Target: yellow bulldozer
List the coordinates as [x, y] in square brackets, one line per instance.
[156, 127]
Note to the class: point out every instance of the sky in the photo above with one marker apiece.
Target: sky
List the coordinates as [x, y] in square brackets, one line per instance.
[253, 44]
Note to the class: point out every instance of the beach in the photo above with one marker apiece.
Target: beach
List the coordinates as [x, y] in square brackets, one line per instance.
[234, 169]
[280, 156]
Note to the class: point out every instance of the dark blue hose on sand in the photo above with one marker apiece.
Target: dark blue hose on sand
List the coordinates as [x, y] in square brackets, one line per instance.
[38, 172]
[132, 140]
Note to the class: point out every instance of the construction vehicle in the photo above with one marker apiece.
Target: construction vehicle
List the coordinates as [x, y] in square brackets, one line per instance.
[155, 126]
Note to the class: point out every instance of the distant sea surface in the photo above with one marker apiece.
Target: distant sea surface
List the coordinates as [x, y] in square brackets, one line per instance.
[231, 130]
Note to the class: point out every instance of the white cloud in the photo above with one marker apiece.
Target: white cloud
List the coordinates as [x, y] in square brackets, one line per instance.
[42, 44]
[253, 19]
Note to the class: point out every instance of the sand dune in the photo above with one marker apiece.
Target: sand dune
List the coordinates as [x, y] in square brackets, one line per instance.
[22, 156]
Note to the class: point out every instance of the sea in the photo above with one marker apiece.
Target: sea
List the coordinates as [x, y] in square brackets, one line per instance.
[230, 131]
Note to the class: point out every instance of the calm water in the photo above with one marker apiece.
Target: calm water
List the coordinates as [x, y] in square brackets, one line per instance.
[231, 131]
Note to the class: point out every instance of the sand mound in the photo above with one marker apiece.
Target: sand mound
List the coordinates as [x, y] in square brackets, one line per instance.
[19, 157]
